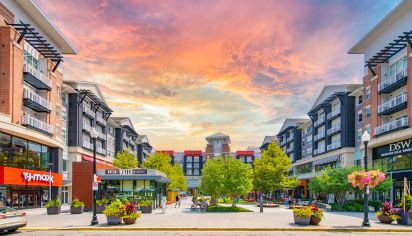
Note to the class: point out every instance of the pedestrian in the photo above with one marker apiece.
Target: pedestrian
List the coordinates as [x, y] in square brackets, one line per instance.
[177, 201]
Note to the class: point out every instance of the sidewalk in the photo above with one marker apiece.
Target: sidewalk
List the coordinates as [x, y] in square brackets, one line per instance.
[186, 219]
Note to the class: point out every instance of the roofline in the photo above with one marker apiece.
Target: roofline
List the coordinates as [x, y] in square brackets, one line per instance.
[355, 49]
[31, 7]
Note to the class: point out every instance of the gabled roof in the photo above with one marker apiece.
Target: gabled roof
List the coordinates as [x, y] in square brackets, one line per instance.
[85, 85]
[329, 90]
[218, 135]
[292, 122]
[124, 121]
[269, 139]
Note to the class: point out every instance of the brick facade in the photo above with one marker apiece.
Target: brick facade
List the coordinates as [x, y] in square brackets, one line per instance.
[82, 182]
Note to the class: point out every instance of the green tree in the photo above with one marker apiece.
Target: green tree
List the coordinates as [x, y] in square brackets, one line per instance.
[270, 172]
[212, 182]
[238, 178]
[177, 177]
[125, 160]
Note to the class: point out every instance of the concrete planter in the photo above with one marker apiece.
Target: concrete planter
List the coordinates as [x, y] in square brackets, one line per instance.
[114, 220]
[301, 221]
[129, 221]
[146, 209]
[100, 209]
[76, 210]
[406, 219]
[385, 219]
[53, 210]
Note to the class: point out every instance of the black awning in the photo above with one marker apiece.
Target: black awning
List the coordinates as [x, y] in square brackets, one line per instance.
[327, 160]
[97, 102]
[38, 42]
[390, 50]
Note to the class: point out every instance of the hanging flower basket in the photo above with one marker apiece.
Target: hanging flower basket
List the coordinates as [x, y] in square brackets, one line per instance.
[361, 179]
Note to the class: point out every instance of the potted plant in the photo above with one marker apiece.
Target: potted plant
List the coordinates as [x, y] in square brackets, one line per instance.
[146, 206]
[386, 215]
[130, 214]
[77, 206]
[53, 207]
[406, 210]
[317, 215]
[101, 205]
[114, 212]
[302, 215]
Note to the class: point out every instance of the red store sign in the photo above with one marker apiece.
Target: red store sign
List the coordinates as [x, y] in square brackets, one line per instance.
[17, 176]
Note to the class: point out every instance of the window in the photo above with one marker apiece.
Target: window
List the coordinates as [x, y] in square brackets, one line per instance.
[368, 128]
[57, 111]
[57, 130]
[360, 99]
[368, 112]
[65, 165]
[401, 162]
[65, 194]
[58, 91]
[63, 133]
[359, 134]
[360, 116]
[368, 93]
[30, 59]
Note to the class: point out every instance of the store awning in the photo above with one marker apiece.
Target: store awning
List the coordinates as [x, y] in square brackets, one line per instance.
[327, 160]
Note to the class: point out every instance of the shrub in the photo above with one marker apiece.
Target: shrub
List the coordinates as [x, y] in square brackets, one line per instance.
[317, 212]
[53, 203]
[145, 203]
[304, 212]
[408, 202]
[130, 212]
[116, 208]
[102, 202]
[388, 210]
[77, 203]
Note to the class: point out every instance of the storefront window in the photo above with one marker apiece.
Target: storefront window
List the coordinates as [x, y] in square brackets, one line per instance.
[5, 145]
[45, 158]
[19, 147]
[34, 156]
[401, 162]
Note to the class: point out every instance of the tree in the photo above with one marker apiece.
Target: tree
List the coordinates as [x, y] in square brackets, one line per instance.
[212, 182]
[238, 178]
[125, 160]
[161, 161]
[270, 170]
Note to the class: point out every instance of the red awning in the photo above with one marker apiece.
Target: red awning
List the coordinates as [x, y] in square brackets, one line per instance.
[245, 153]
[168, 152]
[192, 153]
[99, 163]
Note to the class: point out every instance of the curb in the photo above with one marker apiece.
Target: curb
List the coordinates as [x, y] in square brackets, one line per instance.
[109, 228]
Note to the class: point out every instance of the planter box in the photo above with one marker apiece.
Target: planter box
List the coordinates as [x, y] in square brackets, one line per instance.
[129, 221]
[384, 219]
[301, 221]
[76, 210]
[114, 220]
[100, 209]
[146, 209]
[53, 210]
[406, 219]
[315, 220]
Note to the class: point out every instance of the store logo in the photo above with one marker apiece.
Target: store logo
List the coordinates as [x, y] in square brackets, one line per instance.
[29, 177]
[400, 145]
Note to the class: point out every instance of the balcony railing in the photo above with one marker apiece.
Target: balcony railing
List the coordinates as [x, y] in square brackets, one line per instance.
[36, 78]
[319, 136]
[86, 126]
[36, 102]
[334, 112]
[333, 129]
[102, 136]
[88, 110]
[321, 120]
[101, 120]
[392, 81]
[319, 151]
[392, 105]
[87, 145]
[100, 150]
[41, 126]
[289, 149]
[393, 125]
[290, 138]
[333, 145]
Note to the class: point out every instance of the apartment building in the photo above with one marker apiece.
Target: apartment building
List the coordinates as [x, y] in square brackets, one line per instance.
[290, 138]
[268, 140]
[246, 157]
[144, 149]
[218, 144]
[386, 111]
[32, 128]
[126, 135]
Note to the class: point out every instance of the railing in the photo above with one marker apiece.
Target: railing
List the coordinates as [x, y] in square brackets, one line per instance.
[333, 129]
[86, 126]
[333, 113]
[319, 135]
[333, 145]
[101, 120]
[320, 120]
[87, 145]
[37, 99]
[290, 138]
[289, 149]
[100, 150]
[402, 122]
[88, 110]
[38, 74]
[319, 151]
[392, 80]
[102, 136]
[393, 103]
[33, 122]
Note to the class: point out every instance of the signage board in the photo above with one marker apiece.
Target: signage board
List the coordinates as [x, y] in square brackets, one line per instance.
[393, 149]
[126, 171]
[95, 186]
[18, 176]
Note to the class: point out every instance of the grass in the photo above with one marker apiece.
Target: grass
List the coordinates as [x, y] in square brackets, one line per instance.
[219, 208]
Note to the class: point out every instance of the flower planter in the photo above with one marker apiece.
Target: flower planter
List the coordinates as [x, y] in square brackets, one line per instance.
[100, 209]
[114, 220]
[53, 210]
[315, 220]
[406, 219]
[129, 221]
[385, 219]
[76, 210]
[146, 209]
[301, 221]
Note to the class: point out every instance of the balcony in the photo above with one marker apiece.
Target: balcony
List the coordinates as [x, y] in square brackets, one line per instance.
[392, 126]
[393, 105]
[86, 127]
[334, 129]
[319, 136]
[88, 111]
[333, 145]
[319, 121]
[289, 139]
[37, 125]
[319, 151]
[102, 136]
[394, 82]
[100, 150]
[283, 142]
[36, 78]
[36, 102]
[335, 112]
[289, 149]
[101, 120]
[88, 145]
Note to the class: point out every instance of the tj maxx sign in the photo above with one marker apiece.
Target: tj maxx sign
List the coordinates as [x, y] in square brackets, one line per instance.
[29, 177]
[392, 149]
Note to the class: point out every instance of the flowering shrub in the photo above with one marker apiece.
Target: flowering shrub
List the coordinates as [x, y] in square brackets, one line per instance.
[388, 211]
[317, 212]
[360, 179]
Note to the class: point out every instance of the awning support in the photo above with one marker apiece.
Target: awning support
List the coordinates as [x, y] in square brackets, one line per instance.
[371, 69]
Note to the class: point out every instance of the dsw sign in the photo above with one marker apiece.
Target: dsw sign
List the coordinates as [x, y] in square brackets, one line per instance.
[400, 145]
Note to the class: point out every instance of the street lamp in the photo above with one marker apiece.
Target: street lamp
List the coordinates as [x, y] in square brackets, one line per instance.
[50, 183]
[365, 139]
[94, 134]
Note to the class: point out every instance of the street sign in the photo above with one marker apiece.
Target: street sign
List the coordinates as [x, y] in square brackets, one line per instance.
[95, 186]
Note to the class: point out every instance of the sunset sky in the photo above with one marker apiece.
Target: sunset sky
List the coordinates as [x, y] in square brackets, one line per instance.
[183, 70]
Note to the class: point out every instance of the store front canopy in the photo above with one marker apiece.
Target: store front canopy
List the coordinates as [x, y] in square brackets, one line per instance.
[133, 174]
[327, 160]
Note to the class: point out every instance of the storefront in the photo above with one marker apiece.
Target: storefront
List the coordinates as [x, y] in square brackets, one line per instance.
[134, 184]
[396, 160]
[24, 172]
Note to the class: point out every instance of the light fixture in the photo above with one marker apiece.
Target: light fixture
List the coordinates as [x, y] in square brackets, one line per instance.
[93, 133]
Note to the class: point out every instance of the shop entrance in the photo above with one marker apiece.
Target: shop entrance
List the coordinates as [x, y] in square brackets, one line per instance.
[27, 198]
[398, 191]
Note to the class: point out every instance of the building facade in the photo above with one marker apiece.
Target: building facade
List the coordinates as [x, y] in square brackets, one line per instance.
[126, 135]
[217, 145]
[290, 138]
[32, 129]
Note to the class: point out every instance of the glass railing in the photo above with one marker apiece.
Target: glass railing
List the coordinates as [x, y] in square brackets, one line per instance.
[101, 120]
[38, 124]
[319, 151]
[87, 145]
[334, 112]
[319, 121]
[100, 150]
[333, 145]
[396, 124]
[392, 80]
[88, 110]
[28, 94]
[86, 127]
[333, 129]
[290, 138]
[393, 103]
[38, 74]
[320, 135]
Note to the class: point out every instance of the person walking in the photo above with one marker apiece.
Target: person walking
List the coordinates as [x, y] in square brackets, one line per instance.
[177, 201]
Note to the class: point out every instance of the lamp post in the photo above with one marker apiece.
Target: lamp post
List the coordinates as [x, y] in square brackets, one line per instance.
[365, 139]
[50, 183]
[94, 134]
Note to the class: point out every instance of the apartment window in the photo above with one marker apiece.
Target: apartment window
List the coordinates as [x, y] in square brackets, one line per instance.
[360, 116]
[368, 93]
[57, 130]
[63, 134]
[368, 128]
[58, 91]
[368, 112]
[30, 59]
[57, 111]
[65, 194]
[359, 134]
[360, 99]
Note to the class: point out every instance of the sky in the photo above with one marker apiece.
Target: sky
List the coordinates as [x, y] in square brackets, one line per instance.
[183, 70]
